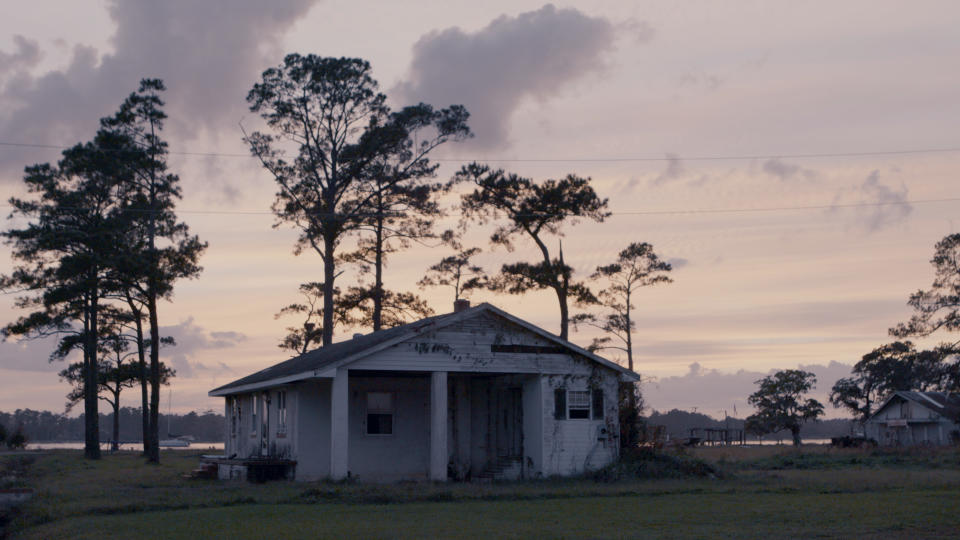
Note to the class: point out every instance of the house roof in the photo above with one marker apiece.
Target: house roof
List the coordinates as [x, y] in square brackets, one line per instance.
[947, 405]
[321, 362]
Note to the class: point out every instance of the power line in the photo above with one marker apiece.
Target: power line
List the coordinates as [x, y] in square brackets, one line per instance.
[740, 210]
[739, 157]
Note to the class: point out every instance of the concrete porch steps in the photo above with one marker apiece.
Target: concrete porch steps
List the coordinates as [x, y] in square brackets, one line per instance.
[505, 468]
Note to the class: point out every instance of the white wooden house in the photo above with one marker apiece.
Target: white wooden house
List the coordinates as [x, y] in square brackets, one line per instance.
[473, 393]
[913, 418]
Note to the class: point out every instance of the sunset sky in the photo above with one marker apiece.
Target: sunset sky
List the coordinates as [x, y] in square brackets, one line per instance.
[795, 161]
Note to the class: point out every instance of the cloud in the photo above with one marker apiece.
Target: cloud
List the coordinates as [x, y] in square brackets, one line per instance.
[883, 206]
[674, 170]
[712, 391]
[786, 171]
[638, 31]
[678, 262]
[208, 54]
[32, 355]
[892, 206]
[192, 339]
[491, 71]
[26, 56]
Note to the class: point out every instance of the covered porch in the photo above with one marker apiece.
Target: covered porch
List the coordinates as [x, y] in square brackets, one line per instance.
[392, 425]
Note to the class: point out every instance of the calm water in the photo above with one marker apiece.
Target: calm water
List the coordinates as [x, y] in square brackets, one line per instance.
[78, 445]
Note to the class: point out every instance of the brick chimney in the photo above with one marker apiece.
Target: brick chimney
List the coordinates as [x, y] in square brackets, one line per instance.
[460, 304]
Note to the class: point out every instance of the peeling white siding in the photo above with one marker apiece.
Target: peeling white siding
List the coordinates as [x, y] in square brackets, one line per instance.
[405, 453]
[312, 437]
[573, 446]
[466, 348]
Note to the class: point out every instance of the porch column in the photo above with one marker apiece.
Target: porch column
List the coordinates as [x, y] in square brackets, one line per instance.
[339, 425]
[438, 425]
[228, 415]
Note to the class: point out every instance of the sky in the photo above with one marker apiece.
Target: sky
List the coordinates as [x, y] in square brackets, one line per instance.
[796, 162]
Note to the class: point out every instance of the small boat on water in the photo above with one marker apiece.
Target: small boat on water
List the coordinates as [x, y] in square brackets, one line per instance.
[173, 443]
[178, 442]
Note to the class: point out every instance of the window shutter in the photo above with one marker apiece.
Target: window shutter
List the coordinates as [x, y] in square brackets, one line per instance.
[597, 404]
[560, 404]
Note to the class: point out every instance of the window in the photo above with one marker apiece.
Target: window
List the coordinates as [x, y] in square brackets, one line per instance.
[379, 413]
[234, 416]
[253, 415]
[578, 404]
[281, 412]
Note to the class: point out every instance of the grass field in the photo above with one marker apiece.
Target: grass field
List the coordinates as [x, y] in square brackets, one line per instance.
[756, 492]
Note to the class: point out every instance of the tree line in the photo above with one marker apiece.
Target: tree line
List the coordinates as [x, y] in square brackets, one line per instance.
[103, 245]
[47, 426]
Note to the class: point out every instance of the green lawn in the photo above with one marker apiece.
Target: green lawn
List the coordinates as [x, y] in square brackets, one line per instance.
[868, 495]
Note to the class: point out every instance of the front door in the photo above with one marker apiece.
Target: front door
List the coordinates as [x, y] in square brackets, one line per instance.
[509, 423]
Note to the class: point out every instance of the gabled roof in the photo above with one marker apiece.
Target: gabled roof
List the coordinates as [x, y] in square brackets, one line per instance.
[944, 404]
[322, 362]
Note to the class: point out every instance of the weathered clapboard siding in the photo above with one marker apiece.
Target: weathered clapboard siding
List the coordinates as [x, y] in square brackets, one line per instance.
[280, 438]
[402, 454]
[312, 436]
[572, 446]
[466, 347]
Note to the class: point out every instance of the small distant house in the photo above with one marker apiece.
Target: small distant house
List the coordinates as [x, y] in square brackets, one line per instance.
[913, 418]
[470, 394]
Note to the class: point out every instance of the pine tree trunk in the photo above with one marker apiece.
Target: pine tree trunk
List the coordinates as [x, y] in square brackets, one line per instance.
[629, 331]
[564, 313]
[91, 449]
[378, 277]
[328, 277]
[116, 423]
[144, 393]
[142, 362]
[153, 451]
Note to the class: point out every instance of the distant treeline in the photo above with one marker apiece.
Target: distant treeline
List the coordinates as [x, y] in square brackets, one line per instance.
[46, 426]
[679, 423]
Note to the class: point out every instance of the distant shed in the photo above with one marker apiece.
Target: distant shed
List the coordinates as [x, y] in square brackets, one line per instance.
[916, 418]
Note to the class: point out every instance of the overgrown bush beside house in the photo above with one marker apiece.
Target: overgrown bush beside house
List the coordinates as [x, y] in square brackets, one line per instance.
[647, 463]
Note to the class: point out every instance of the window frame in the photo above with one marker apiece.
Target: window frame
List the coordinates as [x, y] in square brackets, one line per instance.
[392, 412]
[235, 418]
[254, 405]
[595, 397]
[281, 413]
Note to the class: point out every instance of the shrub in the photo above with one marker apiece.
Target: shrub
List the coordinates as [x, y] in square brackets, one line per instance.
[648, 463]
[18, 439]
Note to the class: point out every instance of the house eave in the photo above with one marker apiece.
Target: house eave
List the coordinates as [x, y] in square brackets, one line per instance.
[269, 383]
